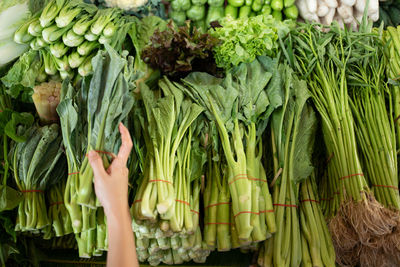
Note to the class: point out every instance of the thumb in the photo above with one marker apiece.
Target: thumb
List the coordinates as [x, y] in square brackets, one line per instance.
[97, 164]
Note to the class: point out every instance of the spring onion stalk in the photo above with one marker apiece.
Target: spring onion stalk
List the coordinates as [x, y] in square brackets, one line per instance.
[50, 12]
[86, 48]
[71, 39]
[58, 49]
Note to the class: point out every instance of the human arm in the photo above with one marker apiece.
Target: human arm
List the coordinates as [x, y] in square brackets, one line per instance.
[111, 188]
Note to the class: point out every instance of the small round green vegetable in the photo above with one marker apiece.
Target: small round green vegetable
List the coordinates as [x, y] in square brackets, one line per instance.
[277, 15]
[257, 5]
[196, 13]
[180, 5]
[266, 9]
[178, 17]
[236, 3]
[231, 11]
[248, 2]
[277, 5]
[214, 13]
[291, 12]
[244, 12]
[288, 3]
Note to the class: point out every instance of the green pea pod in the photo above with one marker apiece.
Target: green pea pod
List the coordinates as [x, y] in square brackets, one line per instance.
[199, 2]
[214, 13]
[266, 9]
[277, 5]
[236, 3]
[244, 12]
[179, 17]
[180, 5]
[231, 11]
[248, 2]
[196, 13]
[277, 15]
[291, 12]
[257, 5]
[216, 3]
[288, 3]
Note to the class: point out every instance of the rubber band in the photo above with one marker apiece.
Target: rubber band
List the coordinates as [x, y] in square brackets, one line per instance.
[195, 211]
[182, 201]
[265, 211]
[239, 177]
[285, 205]
[309, 200]
[217, 204]
[56, 203]
[351, 175]
[72, 173]
[159, 180]
[223, 223]
[256, 179]
[336, 193]
[137, 201]
[246, 212]
[386, 186]
[32, 191]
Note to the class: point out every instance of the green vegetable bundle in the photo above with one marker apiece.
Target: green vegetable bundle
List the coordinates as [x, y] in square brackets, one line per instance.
[57, 213]
[89, 117]
[244, 39]
[36, 163]
[69, 32]
[239, 105]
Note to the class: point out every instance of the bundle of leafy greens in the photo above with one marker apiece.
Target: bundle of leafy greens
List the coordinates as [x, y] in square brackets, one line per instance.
[240, 106]
[89, 116]
[36, 164]
[176, 51]
[326, 60]
[243, 39]
[57, 213]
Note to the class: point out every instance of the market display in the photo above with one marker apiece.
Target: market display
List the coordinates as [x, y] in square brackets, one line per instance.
[252, 132]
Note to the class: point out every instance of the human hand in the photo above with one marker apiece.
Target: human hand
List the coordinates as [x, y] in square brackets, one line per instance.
[111, 185]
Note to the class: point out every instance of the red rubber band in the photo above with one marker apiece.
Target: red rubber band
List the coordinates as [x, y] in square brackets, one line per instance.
[182, 201]
[397, 118]
[310, 200]
[285, 205]
[137, 201]
[195, 211]
[239, 177]
[386, 186]
[223, 223]
[336, 193]
[32, 191]
[217, 204]
[256, 179]
[246, 212]
[56, 203]
[72, 173]
[265, 211]
[351, 175]
[158, 180]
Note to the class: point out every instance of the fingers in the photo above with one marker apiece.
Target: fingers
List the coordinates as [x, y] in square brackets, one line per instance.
[97, 164]
[126, 146]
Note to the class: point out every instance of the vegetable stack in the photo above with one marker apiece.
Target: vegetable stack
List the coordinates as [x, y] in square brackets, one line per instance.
[68, 34]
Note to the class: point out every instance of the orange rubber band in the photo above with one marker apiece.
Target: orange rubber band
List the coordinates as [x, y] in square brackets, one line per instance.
[239, 177]
[246, 212]
[217, 204]
[351, 175]
[72, 173]
[137, 201]
[56, 203]
[265, 211]
[32, 191]
[195, 211]
[386, 186]
[182, 201]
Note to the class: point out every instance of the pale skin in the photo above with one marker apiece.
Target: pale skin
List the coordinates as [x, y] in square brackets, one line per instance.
[111, 188]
